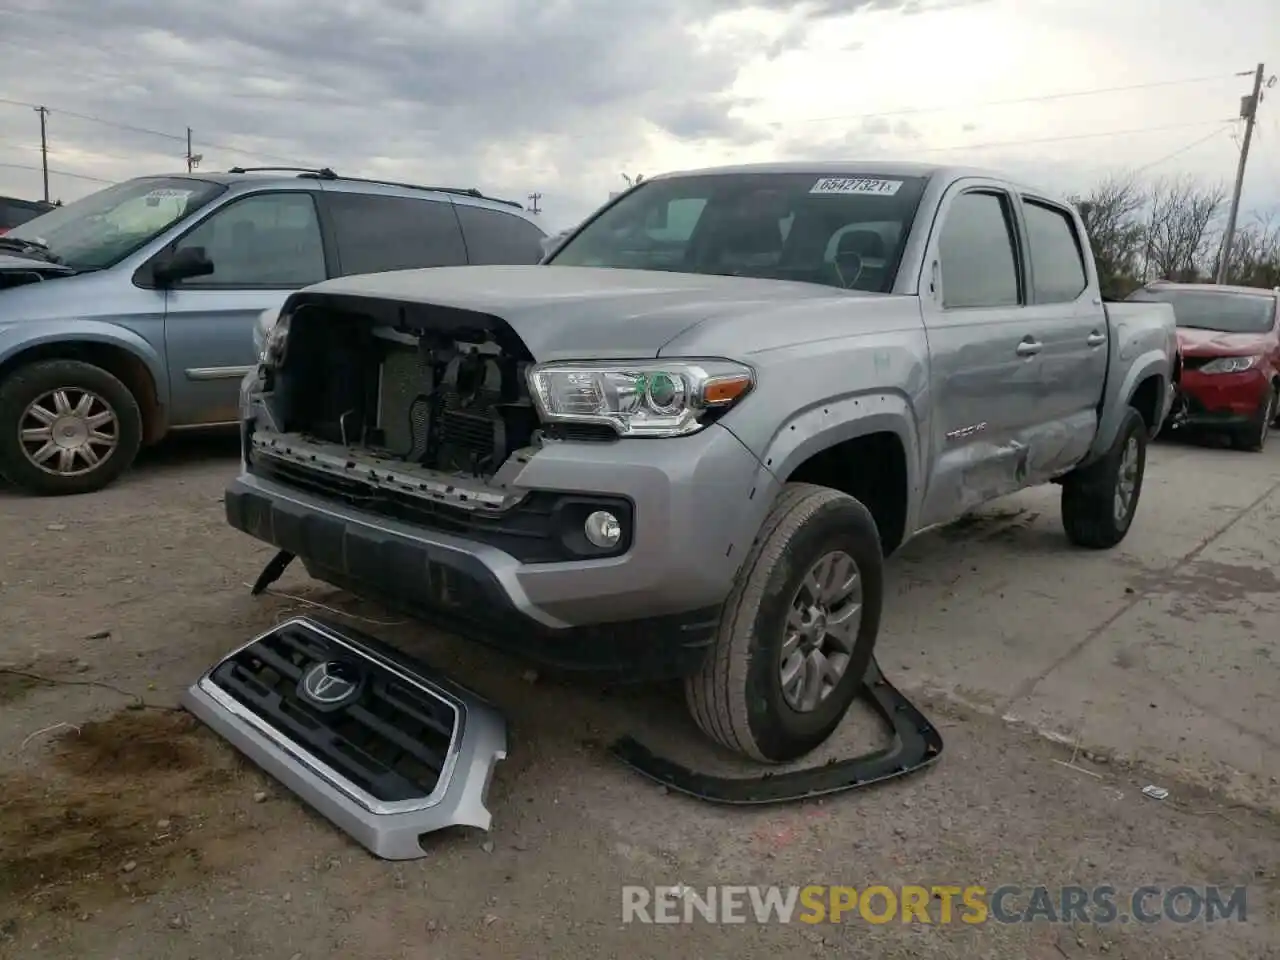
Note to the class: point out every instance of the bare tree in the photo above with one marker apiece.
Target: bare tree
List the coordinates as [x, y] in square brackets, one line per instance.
[1180, 234]
[1110, 211]
[1255, 254]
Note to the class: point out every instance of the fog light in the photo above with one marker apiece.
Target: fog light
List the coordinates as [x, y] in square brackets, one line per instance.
[603, 529]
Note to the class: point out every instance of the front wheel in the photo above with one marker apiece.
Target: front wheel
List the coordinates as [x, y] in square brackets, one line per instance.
[797, 631]
[66, 427]
[1099, 502]
[1254, 436]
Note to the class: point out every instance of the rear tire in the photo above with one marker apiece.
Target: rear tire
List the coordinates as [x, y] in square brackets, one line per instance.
[755, 692]
[1099, 502]
[1254, 436]
[66, 427]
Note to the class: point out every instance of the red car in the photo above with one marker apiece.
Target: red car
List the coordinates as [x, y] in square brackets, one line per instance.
[1229, 340]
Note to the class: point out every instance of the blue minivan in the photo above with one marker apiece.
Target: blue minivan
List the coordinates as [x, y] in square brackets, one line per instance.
[132, 312]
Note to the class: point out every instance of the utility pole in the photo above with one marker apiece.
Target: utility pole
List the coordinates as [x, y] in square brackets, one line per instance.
[1249, 111]
[44, 148]
[534, 198]
[193, 159]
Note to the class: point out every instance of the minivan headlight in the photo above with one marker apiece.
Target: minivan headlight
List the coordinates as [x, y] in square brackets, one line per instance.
[639, 398]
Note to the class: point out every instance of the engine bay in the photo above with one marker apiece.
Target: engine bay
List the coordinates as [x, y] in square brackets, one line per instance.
[427, 405]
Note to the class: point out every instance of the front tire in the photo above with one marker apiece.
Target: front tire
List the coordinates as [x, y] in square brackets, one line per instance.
[1254, 436]
[1099, 502]
[66, 427]
[797, 631]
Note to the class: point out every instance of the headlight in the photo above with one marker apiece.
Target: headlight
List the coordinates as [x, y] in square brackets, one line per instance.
[1231, 364]
[641, 398]
[270, 335]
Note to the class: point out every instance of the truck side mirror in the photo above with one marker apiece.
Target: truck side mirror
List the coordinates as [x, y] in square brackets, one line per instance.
[183, 264]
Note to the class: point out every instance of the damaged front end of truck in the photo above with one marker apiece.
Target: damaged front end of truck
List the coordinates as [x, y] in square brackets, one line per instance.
[411, 406]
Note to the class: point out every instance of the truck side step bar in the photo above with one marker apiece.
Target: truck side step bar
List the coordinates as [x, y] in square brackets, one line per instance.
[917, 744]
[374, 741]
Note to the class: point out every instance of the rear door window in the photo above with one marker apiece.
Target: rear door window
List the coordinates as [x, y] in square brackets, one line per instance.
[376, 233]
[496, 237]
[1057, 263]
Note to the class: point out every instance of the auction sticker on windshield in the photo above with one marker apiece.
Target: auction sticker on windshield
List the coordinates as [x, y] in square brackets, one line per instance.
[866, 186]
[169, 193]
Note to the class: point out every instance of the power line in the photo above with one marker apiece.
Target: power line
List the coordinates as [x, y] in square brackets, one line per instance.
[1076, 136]
[1041, 98]
[56, 173]
[1181, 150]
[147, 131]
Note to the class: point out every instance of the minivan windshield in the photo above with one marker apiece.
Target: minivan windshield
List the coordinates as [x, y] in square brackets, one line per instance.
[843, 231]
[1225, 311]
[103, 228]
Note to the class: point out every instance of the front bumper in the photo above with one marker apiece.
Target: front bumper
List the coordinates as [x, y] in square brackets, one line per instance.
[698, 502]
[1219, 400]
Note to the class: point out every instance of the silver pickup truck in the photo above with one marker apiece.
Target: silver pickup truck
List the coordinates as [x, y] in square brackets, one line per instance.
[682, 446]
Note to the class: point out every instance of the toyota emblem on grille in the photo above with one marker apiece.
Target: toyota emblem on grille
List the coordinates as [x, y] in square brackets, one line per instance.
[330, 683]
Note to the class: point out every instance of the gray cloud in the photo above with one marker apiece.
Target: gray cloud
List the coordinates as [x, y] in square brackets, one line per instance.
[508, 95]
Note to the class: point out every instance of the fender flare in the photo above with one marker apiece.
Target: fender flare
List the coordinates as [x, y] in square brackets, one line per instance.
[1151, 363]
[825, 424]
[21, 337]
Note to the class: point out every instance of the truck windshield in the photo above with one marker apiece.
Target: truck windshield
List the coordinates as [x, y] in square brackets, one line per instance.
[1225, 312]
[105, 227]
[843, 231]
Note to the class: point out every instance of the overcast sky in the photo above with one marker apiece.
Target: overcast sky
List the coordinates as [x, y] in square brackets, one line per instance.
[563, 96]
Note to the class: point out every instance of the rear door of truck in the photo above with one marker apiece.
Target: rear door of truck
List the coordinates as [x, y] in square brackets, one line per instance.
[1070, 327]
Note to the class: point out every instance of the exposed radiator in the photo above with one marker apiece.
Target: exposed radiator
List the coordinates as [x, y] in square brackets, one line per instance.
[469, 420]
[404, 377]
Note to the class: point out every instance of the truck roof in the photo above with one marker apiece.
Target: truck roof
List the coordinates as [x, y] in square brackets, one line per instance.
[890, 168]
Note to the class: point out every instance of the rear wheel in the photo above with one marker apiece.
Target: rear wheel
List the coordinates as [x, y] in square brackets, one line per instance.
[798, 630]
[1099, 502]
[66, 427]
[1254, 436]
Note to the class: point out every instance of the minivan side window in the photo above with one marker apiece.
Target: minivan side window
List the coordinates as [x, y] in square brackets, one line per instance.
[977, 253]
[496, 237]
[265, 240]
[378, 233]
[1057, 264]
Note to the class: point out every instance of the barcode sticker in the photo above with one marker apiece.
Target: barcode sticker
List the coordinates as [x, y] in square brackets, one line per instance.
[866, 186]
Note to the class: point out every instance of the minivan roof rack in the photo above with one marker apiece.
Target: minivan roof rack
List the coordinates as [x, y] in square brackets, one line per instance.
[325, 173]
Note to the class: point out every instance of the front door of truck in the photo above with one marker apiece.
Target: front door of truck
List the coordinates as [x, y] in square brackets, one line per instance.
[263, 246]
[985, 355]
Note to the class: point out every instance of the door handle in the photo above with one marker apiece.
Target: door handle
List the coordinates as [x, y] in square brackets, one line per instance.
[1095, 339]
[1029, 348]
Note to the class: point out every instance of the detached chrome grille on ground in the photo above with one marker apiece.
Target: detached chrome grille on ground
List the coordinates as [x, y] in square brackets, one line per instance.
[375, 742]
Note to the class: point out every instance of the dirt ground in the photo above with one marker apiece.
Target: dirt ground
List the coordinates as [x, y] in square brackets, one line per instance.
[1062, 681]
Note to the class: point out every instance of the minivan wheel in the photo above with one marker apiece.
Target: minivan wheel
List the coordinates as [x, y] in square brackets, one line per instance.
[797, 631]
[66, 427]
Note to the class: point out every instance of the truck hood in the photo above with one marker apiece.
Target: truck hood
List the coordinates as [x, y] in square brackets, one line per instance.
[576, 312]
[1194, 342]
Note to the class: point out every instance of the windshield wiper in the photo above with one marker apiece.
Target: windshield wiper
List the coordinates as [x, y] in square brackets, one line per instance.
[29, 247]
